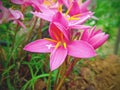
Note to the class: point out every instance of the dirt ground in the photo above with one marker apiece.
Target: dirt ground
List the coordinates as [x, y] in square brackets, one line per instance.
[100, 74]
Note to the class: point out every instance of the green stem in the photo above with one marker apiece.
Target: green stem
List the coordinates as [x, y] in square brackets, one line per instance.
[10, 55]
[49, 78]
[39, 35]
[16, 30]
[31, 31]
[60, 74]
[28, 37]
[67, 73]
[60, 84]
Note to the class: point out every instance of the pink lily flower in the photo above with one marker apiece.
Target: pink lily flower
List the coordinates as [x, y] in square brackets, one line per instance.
[37, 4]
[60, 45]
[75, 15]
[11, 15]
[48, 16]
[95, 38]
[26, 3]
[67, 3]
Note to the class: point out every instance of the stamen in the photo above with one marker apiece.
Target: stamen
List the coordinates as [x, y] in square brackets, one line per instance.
[64, 44]
[68, 10]
[77, 15]
[57, 45]
[47, 3]
[80, 2]
[50, 39]
[60, 8]
[73, 18]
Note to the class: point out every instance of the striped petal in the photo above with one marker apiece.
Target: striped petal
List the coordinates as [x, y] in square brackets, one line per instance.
[80, 49]
[38, 46]
[57, 57]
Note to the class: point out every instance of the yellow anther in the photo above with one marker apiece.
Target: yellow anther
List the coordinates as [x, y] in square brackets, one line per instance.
[47, 2]
[60, 8]
[68, 10]
[77, 15]
[57, 45]
[64, 44]
[72, 18]
[50, 39]
[80, 2]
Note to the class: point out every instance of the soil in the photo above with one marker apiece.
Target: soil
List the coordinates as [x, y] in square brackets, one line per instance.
[100, 74]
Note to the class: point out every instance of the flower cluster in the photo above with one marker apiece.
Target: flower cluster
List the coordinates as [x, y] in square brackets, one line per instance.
[7, 15]
[68, 34]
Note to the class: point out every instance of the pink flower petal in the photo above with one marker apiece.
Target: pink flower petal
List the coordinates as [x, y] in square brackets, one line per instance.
[80, 49]
[75, 9]
[80, 27]
[80, 21]
[97, 40]
[58, 17]
[56, 30]
[18, 1]
[15, 14]
[20, 23]
[57, 57]
[41, 45]
[85, 35]
[64, 30]
[93, 32]
[85, 5]
[45, 15]
[98, 31]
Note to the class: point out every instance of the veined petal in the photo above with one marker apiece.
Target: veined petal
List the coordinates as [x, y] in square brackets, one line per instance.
[75, 9]
[85, 35]
[97, 40]
[80, 21]
[40, 45]
[20, 23]
[57, 57]
[45, 15]
[80, 49]
[92, 32]
[80, 27]
[58, 17]
[56, 30]
[64, 30]
[17, 1]
[16, 14]
[98, 31]
[85, 5]
[96, 37]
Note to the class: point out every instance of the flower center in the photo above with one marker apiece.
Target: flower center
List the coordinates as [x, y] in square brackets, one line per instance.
[73, 17]
[58, 43]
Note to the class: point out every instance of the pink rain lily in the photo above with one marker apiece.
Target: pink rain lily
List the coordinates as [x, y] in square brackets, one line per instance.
[26, 3]
[7, 15]
[95, 38]
[38, 5]
[74, 21]
[75, 15]
[83, 5]
[60, 45]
